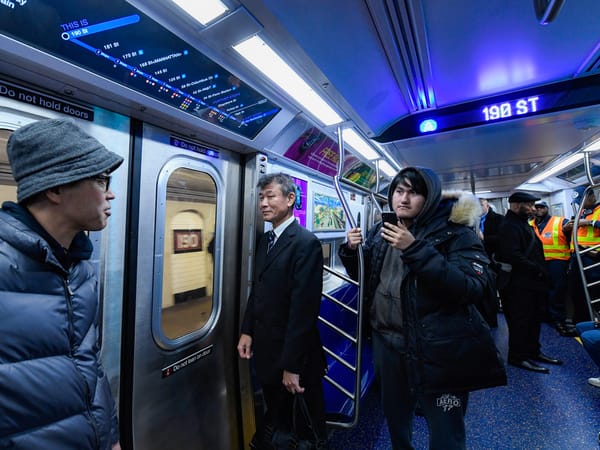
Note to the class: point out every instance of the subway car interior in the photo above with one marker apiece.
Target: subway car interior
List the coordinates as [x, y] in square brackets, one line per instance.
[202, 98]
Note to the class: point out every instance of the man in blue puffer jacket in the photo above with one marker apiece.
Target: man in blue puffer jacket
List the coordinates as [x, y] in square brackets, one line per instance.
[424, 275]
[53, 391]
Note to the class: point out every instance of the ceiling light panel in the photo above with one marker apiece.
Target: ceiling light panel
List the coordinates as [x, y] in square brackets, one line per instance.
[264, 58]
[204, 11]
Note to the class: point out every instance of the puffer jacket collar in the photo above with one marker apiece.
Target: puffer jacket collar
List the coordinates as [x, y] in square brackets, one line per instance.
[26, 234]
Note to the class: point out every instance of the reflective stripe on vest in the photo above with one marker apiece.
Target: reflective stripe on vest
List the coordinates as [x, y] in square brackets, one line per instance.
[589, 236]
[554, 240]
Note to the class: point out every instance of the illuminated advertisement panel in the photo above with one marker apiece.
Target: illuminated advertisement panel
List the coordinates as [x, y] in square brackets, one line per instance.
[328, 213]
[301, 200]
[318, 151]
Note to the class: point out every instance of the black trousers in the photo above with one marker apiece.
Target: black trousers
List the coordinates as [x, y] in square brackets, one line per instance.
[522, 310]
[445, 413]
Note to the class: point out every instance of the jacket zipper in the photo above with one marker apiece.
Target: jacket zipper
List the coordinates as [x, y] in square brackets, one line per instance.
[69, 297]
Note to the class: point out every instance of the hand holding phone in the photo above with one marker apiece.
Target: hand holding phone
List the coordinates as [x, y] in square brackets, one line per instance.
[389, 217]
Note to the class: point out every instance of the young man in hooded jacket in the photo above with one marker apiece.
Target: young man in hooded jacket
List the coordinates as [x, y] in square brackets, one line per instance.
[423, 276]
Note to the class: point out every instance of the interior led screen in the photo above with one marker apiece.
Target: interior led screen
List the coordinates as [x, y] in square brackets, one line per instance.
[563, 95]
[113, 39]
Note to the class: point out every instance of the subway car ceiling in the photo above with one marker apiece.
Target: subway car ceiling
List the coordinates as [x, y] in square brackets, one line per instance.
[519, 81]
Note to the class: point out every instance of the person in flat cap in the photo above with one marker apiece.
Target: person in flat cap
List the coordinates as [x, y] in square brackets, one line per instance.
[522, 254]
[55, 393]
[522, 197]
[555, 236]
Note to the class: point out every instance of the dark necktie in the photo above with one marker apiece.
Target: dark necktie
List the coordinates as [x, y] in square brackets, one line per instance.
[271, 242]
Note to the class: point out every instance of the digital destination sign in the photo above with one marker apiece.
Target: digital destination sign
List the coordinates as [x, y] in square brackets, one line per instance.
[118, 42]
[506, 110]
[569, 94]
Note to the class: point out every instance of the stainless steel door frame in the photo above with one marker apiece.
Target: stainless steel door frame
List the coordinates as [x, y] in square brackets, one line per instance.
[196, 405]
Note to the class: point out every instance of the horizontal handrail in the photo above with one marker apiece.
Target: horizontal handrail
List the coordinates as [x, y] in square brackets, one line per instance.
[340, 359]
[342, 389]
[585, 250]
[340, 275]
[591, 266]
[338, 329]
[341, 304]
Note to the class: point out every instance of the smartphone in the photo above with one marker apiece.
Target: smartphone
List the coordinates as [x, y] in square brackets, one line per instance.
[389, 217]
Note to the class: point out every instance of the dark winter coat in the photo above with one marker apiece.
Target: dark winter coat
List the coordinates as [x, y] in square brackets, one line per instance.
[521, 248]
[491, 228]
[53, 391]
[449, 346]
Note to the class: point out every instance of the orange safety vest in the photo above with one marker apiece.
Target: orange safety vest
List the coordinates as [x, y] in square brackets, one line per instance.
[589, 236]
[554, 240]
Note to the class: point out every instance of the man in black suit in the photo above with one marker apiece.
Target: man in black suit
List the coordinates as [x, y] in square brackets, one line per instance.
[279, 328]
[528, 286]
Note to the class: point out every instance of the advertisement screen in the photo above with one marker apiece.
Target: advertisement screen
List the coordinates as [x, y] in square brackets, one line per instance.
[115, 40]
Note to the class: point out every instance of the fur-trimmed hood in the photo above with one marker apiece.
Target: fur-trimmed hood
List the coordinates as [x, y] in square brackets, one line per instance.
[466, 209]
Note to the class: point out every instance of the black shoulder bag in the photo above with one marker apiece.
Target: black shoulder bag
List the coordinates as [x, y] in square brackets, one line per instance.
[276, 439]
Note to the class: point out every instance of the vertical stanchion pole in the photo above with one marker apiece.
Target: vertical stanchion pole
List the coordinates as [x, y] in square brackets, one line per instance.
[359, 319]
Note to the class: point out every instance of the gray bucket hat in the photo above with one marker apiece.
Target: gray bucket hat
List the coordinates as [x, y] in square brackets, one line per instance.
[54, 152]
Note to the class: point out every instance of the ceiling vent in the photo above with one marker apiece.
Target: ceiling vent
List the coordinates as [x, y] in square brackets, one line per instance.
[547, 10]
[591, 63]
[400, 25]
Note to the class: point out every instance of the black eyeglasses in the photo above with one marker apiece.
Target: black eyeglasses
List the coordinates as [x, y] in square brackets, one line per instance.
[103, 181]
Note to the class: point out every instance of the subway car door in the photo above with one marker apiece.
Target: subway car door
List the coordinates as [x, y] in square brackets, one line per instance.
[181, 348]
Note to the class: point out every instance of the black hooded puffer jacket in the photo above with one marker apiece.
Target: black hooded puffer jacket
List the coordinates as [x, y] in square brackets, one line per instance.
[449, 345]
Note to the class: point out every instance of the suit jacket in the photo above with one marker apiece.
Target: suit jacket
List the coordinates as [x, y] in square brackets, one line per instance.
[281, 315]
[524, 251]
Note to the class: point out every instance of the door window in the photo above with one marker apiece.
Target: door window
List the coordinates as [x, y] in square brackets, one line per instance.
[8, 187]
[188, 254]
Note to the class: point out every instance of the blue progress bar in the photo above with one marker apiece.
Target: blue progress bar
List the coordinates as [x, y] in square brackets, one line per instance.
[100, 27]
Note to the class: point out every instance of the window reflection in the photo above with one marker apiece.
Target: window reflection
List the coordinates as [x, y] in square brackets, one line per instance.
[187, 296]
[8, 187]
